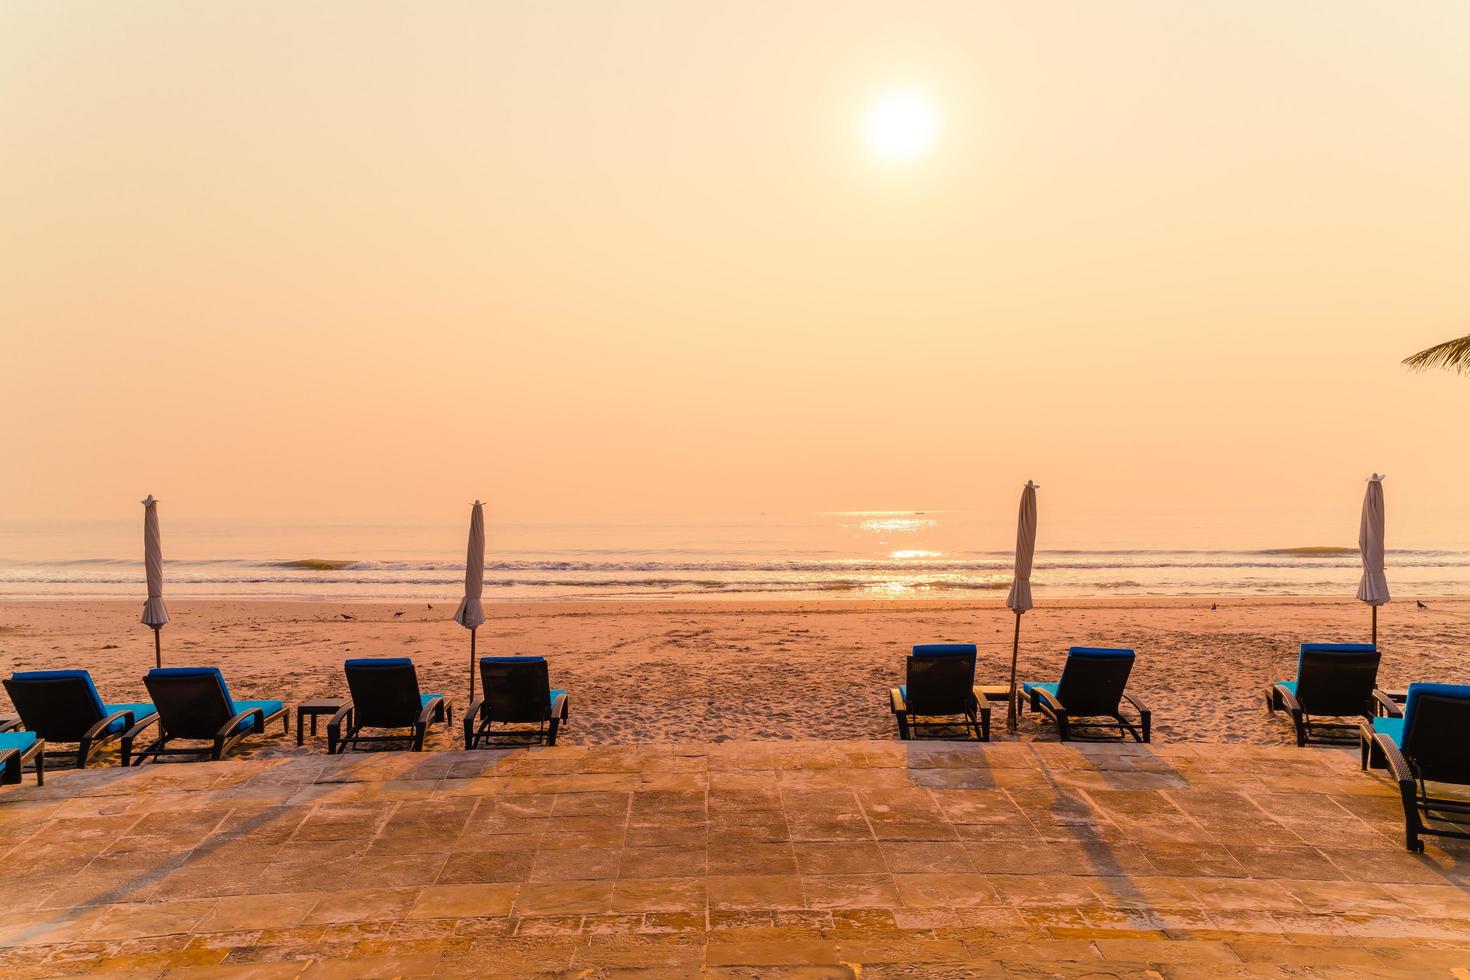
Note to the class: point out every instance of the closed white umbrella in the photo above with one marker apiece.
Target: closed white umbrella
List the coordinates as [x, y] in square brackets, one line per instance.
[155, 613]
[1373, 589]
[471, 613]
[1019, 598]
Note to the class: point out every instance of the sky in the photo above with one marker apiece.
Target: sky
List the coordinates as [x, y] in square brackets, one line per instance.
[367, 261]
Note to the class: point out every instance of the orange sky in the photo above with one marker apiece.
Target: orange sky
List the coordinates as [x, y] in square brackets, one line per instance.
[354, 260]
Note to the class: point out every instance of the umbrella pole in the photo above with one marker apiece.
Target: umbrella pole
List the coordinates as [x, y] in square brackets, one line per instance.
[472, 666]
[1015, 654]
[157, 650]
[1375, 626]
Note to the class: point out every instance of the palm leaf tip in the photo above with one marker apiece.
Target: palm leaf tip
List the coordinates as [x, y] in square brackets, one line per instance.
[1452, 355]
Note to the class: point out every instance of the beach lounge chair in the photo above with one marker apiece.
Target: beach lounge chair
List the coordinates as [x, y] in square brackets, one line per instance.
[194, 704]
[517, 691]
[940, 684]
[1333, 680]
[1427, 744]
[385, 695]
[17, 749]
[1091, 689]
[62, 707]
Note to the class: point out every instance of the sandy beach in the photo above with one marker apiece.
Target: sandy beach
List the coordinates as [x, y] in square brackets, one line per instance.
[714, 671]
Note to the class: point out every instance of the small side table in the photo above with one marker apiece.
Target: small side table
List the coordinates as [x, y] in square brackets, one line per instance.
[312, 708]
[994, 693]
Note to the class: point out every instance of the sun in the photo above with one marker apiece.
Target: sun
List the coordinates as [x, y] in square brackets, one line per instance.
[901, 126]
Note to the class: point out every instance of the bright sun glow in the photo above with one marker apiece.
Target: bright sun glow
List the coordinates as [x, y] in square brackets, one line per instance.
[901, 126]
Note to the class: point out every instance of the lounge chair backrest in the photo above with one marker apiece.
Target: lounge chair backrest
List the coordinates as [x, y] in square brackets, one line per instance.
[941, 678]
[517, 689]
[1336, 678]
[58, 705]
[192, 702]
[1436, 736]
[385, 691]
[1093, 680]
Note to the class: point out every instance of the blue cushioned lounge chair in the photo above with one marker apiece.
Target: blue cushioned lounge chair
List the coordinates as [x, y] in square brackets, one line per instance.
[1429, 743]
[17, 749]
[194, 704]
[518, 691]
[939, 687]
[62, 707]
[385, 695]
[1333, 680]
[1092, 687]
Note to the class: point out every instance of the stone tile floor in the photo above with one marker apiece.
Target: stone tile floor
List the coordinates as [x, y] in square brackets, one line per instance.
[815, 859]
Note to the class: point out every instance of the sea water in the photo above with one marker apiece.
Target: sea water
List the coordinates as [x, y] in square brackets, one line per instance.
[832, 556]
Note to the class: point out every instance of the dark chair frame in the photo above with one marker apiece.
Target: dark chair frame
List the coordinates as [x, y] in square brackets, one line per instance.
[437, 710]
[14, 761]
[1077, 726]
[224, 738]
[1378, 750]
[1334, 680]
[552, 717]
[973, 708]
[94, 738]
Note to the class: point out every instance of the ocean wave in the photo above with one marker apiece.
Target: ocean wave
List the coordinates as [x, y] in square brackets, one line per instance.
[588, 573]
[450, 584]
[966, 586]
[315, 564]
[1100, 562]
[1316, 557]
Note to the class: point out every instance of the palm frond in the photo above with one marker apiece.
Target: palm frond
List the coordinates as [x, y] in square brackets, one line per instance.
[1453, 355]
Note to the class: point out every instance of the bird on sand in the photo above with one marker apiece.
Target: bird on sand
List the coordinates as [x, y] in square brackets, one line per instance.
[1420, 604]
[397, 614]
[345, 616]
[1214, 606]
[429, 604]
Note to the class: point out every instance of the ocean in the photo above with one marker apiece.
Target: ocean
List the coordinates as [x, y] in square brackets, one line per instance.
[828, 556]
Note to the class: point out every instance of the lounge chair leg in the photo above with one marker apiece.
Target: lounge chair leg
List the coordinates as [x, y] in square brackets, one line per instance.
[1413, 826]
[41, 768]
[1062, 728]
[903, 726]
[153, 749]
[551, 731]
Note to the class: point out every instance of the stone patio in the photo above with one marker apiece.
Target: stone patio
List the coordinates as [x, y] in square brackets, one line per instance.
[815, 859]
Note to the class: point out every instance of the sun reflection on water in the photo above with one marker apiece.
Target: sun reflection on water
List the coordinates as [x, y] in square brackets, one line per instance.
[890, 525]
